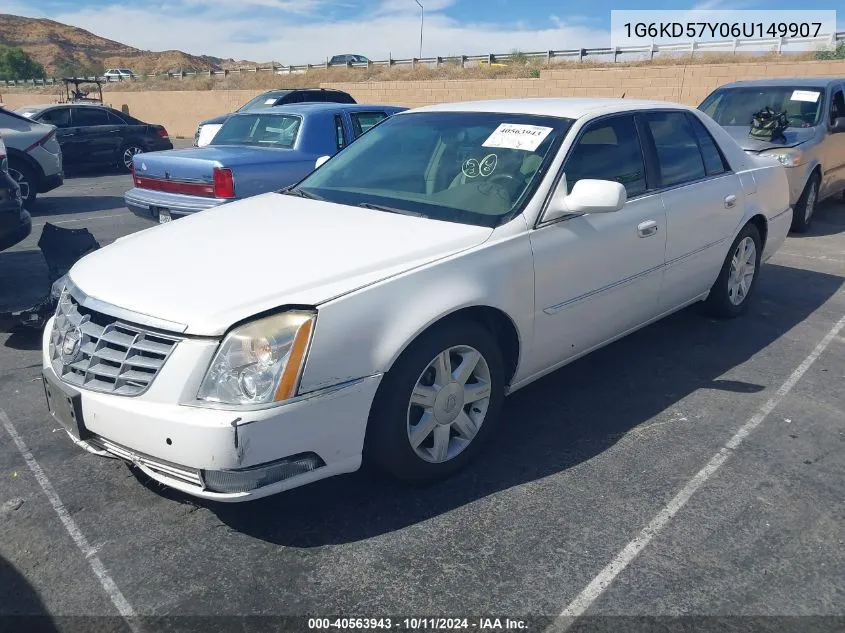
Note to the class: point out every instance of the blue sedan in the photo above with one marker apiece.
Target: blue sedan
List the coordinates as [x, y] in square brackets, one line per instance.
[254, 152]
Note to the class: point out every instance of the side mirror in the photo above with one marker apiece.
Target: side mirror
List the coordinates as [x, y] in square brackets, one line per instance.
[838, 125]
[587, 196]
[320, 161]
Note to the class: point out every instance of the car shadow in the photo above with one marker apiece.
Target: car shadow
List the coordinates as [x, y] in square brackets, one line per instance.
[24, 278]
[828, 219]
[550, 426]
[21, 608]
[64, 205]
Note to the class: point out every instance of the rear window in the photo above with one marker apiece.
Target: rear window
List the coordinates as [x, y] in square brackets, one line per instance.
[262, 101]
[266, 130]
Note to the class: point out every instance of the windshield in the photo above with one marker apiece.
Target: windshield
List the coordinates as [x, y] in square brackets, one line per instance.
[470, 167]
[267, 130]
[261, 101]
[736, 106]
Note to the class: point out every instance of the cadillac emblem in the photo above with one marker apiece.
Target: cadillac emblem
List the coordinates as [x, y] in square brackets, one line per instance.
[70, 345]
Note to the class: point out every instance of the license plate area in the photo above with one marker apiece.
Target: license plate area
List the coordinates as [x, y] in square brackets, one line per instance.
[164, 216]
[65, 405]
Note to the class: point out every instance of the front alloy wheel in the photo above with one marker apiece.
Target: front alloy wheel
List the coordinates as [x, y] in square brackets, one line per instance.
[438, 403]
[448, 404]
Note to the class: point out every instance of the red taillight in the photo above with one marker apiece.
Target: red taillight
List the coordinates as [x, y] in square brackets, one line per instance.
[224, 183]
[162, 132]
[174, 186]
[42, 142]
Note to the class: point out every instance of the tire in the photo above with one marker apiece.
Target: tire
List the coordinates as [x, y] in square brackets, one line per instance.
[129, 150]
[805, 208]
[726, 299]
[27, 180]
[393, 418]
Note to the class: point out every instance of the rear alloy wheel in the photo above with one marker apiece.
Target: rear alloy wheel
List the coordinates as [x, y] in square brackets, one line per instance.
[25, 177]
[802, 216]
[128, 153]
[730, 294]
[438, 404]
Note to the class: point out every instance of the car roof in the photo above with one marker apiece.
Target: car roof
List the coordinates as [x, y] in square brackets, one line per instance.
[45, 106]
[305, 108]
[564, 107]
[788, 82]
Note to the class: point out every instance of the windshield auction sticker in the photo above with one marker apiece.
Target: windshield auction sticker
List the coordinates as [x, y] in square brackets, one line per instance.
[517, 136]
[805, 95]
[747, 30]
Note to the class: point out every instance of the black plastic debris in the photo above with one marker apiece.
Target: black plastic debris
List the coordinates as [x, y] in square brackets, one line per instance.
[61, 249]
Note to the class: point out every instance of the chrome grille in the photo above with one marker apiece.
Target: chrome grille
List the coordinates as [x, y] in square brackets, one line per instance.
[95, 351]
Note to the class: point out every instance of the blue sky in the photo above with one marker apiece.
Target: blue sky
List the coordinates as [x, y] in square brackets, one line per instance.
[300, 31]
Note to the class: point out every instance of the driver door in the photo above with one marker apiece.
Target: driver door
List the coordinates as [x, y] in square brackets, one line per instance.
[598, 276]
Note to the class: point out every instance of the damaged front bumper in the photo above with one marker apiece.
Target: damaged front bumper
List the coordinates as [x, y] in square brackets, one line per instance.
[219, 454]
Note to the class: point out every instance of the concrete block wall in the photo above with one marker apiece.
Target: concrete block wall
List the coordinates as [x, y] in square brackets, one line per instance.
[181, 111]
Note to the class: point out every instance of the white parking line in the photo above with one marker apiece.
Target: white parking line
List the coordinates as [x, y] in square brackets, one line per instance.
[89, 553]
[93, 217]
[606, 576]
[819, 257]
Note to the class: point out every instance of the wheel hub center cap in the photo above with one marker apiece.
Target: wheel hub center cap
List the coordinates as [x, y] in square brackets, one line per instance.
[449, 403]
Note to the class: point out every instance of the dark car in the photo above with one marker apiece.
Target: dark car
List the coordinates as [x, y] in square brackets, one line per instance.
[15, 223]
[96, 134]
[208, 128]
[343, 60]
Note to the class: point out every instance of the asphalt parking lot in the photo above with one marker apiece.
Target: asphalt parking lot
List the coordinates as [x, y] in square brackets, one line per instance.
[580, 504]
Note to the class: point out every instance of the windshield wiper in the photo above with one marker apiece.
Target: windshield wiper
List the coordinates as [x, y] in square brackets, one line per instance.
[300, 193]
[378, 207]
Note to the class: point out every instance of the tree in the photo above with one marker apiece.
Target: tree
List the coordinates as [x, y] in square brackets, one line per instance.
[15, 63]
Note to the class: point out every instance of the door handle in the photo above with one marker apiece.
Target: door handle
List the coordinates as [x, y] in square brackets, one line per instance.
[730, 201]
[647, 229]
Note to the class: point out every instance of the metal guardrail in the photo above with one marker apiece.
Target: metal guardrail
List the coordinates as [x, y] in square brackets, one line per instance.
[777, 44]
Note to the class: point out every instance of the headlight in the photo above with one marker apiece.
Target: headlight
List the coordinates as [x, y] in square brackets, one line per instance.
[259, 362]
[787, 157]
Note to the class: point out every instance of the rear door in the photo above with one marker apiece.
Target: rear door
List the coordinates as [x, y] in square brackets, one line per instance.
[704, 202]
[99, 138]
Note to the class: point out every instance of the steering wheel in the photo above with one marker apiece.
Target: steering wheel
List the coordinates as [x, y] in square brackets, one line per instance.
[505, 177]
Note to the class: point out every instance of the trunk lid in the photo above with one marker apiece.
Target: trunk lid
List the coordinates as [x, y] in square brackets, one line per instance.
[198, 163]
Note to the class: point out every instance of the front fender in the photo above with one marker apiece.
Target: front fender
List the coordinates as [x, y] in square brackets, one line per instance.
[363, 333]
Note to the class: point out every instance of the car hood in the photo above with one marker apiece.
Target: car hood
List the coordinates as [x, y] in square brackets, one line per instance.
[791, 138]
[213, 269]
[218, 120]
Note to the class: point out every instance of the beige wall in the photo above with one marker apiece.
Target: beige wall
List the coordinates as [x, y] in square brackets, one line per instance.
[180, 111]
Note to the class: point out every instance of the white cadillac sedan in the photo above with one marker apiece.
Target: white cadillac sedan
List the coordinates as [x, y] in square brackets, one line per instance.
[382, 308]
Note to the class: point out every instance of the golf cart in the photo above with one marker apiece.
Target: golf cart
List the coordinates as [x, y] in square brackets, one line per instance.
[76, 95]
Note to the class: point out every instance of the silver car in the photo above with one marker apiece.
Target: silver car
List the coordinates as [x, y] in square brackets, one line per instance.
[812, 147]
[35, 157]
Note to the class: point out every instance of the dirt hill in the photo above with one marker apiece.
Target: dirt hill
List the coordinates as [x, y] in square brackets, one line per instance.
[64, 49]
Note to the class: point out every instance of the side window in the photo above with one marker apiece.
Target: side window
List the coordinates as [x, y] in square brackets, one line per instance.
[678, 157]
[293, 97]
[60, 117]
[714, 162]
[338, 129]
[711, 104]
[837, 107]
[363, 121]
[89, 116]
[114, 119]
[609, 150]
